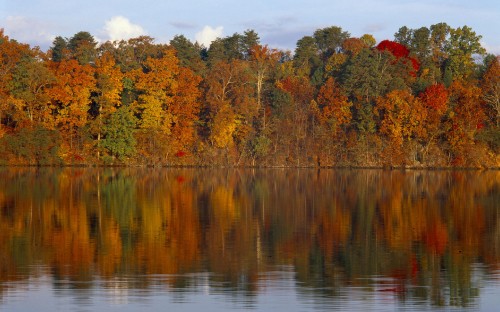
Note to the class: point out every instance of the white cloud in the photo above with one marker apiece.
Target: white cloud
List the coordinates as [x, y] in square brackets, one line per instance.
[208, 34]
[119, 27]
[28, 30]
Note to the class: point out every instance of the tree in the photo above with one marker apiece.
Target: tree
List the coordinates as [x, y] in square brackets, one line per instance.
[438, 41]
[461, 48]
[188, 53]
[230, 105]
[429, 47]
[402, 118]
[334, 105]
[296, 115]
[369, 40]
[352, 46]
[466, 121]
[11, 52]
[421, 43]
[263, 61]
[329, 40]
[185, 108]
[71, 99]
[34, 145]
[232, 47]
[29, 84]
[404, 36]
[155, 84]
[223, 128]
[59, 49]
[131, 54]
[306, 58]
[374, 73]
[331, 116]
[435, 102]
[402, 55]
[249, 40]
[82, 47]
[107, 94]
[490, 85]
[119, 138]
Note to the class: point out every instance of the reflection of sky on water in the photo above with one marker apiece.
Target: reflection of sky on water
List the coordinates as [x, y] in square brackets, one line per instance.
[278, 291]
[270, 240]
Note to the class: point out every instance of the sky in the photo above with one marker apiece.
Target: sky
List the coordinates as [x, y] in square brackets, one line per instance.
[279, 23]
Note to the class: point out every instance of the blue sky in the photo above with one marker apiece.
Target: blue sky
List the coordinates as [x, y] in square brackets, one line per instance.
[279, 23]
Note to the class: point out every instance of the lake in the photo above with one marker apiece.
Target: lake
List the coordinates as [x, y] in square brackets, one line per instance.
[80, 239]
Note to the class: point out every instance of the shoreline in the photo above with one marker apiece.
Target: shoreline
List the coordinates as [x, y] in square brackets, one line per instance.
[385, 168]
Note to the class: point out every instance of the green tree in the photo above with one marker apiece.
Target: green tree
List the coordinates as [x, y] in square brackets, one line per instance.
[107, 94]
[329, 40]
[59, 49]
[462, 46]
[119, 130]
[439, 37]
[421, 43]
[30, 80]
[404, 36]
[249, 40]
[83, 47]
[34, 146]
[306, 58]
[188, 53]
[233, 47]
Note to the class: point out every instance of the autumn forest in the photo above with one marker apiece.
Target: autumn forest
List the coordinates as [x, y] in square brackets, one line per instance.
[429, 97]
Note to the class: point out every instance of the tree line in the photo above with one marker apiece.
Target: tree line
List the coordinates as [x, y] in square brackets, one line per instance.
[430, 97]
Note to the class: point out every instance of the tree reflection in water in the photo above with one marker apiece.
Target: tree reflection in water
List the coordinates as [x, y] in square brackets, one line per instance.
[414, 235]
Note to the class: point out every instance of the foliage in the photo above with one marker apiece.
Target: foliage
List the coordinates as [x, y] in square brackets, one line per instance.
[33, 146]
[422, 98]
[119, 140]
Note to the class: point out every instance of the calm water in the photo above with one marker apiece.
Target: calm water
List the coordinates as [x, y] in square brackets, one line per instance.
[270, 240]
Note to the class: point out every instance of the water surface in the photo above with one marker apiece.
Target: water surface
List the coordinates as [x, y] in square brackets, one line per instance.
[278, 239]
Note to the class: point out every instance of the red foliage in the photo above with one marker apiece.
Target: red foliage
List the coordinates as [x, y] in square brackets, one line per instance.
[396, 49]
[415, 64]
[180, 179]
[435, 97]
[180, 154]
[399, 51]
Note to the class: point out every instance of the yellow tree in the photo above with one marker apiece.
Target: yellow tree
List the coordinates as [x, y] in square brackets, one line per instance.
[466, 120]
[185, 108]
[109, 86]
[402, 118]
[156, 85]
[168, 104]
[229, 104]
[71, 97]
